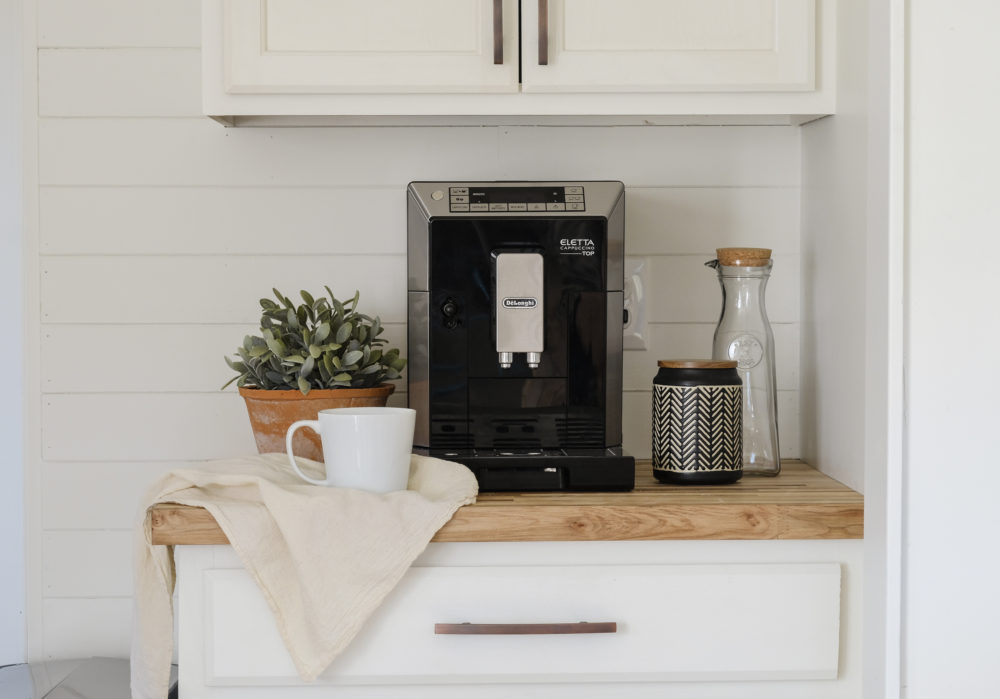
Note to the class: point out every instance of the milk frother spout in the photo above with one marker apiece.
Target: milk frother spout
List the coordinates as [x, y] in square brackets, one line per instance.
[520, 307]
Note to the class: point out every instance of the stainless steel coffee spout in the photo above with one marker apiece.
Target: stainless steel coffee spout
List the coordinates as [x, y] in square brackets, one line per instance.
[520, 307]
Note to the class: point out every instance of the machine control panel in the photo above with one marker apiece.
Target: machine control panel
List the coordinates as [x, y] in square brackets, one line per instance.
[499, 199]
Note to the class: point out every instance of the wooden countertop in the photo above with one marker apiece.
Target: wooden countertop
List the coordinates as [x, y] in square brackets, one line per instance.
[801, 503]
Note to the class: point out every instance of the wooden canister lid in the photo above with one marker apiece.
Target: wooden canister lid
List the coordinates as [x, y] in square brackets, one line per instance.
[696, 364]
[743, 257]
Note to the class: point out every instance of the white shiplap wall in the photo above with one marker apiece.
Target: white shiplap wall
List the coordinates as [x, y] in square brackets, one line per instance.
[158, 230]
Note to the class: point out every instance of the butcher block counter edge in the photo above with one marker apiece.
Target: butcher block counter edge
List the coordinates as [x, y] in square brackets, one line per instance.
[801, 503]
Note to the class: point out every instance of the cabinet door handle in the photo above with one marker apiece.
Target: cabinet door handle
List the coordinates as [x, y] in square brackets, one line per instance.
[498, 32]
[543, 32]
[523, 629]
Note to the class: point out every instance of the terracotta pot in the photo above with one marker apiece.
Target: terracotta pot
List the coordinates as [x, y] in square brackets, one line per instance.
[273, 412]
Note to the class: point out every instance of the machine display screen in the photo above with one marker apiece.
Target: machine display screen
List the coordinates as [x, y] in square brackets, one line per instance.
[506, 199]
[506, 195]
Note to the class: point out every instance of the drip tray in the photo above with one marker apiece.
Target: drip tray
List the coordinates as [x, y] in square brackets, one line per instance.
[533, 468]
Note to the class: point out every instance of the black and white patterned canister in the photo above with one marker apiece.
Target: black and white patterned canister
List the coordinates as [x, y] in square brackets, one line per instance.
[697, 422]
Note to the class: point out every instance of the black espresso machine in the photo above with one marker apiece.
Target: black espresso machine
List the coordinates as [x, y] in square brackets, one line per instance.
[515, 331]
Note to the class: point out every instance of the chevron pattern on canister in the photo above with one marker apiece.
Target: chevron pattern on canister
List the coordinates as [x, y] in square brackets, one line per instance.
[697, 428]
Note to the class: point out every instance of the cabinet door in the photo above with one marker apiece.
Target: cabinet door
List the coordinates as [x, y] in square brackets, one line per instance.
[345, 46]
[668, 45]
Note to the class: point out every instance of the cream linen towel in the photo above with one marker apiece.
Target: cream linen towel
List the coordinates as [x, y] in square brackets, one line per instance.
[324, 558]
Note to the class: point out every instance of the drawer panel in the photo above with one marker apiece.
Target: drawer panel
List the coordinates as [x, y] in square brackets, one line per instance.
[674, 622]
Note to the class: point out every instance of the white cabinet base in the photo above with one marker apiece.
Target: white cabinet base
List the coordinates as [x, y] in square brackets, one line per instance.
[720, 619]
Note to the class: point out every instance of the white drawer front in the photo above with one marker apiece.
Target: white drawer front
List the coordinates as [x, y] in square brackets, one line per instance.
[675, 622]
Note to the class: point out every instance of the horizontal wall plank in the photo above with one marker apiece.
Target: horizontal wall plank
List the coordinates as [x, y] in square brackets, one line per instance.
[182, 426]
[110, 23]
[98, 495]
[87, 563]
[222, 220]
[198, 152]
[182, 289]
[326, 220]
[705, 156]
[694, 341]
[151, 358]
[119, 82]
[144, 427]
[86, 628]
[148, 426]
[638, 425]
[683, 290]
[697, 220]
[209, 289]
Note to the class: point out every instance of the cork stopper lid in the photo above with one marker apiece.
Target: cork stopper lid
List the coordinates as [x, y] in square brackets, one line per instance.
[743, 257]
[696, 364]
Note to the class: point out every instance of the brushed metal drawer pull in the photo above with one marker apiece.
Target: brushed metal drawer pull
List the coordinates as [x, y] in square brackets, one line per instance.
[469, 629]
[498, 32]
[543, 32]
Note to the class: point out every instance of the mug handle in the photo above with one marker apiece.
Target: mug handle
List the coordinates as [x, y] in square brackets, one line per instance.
[311, 424]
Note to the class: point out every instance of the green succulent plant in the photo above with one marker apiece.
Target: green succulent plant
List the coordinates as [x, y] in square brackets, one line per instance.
[321, 343]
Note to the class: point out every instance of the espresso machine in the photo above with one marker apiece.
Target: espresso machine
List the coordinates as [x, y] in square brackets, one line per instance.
[515, 331]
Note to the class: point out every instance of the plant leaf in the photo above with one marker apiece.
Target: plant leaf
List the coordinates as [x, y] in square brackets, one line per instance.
[343, 332]
[307, 366]
[304, 386]
[321, 332]
[277, 346]
[353, 357]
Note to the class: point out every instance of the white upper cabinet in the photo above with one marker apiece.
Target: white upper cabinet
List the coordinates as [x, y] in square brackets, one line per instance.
[345, 46]
[505, 61]
[668, 45]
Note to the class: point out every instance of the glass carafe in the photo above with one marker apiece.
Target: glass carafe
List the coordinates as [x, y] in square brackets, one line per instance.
[744, 335]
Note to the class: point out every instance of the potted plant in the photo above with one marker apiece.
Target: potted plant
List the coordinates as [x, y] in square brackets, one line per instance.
[319, 354]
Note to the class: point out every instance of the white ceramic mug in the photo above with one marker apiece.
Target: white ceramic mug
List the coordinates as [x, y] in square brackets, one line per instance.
[364, 448]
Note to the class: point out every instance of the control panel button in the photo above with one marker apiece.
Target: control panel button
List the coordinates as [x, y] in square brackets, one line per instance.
[459, 190]
[459, 199]
[536, 206]
[479, 207]
[449, 308]
[574, 190]
[517, 207]
[459, 207]
[555, 206]
[569, 197]
[498, 207]
[437, 195]
[575, 206]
